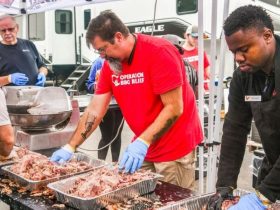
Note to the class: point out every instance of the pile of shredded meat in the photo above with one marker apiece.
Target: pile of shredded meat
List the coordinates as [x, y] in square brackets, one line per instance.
[104, 180]
[16, 154]
[37, 167]
[229, 202]
[274, 206]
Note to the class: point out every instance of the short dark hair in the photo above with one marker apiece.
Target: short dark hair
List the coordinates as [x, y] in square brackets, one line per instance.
[105, 25]
[247, 17]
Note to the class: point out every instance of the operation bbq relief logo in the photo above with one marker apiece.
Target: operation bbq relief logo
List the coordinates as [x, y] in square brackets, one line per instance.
[128, 79]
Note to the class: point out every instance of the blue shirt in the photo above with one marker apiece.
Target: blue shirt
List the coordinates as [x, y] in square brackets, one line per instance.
[96, 65]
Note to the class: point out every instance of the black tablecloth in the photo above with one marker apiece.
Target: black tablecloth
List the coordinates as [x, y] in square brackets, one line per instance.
[164, 193]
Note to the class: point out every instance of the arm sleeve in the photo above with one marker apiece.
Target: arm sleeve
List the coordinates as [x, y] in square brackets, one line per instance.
[164, 77]
[206, 60]
[270, 185]
[235, 130]
[4, 116]
[104, 84]
[97, 64]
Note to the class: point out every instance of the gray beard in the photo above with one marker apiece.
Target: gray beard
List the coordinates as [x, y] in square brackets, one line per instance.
[115, 65]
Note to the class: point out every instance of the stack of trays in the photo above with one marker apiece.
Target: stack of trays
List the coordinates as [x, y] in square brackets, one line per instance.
[34, 185]
[62, 187]
[197, 202]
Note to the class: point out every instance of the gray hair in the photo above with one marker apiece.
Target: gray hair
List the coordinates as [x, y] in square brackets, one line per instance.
[5, 16]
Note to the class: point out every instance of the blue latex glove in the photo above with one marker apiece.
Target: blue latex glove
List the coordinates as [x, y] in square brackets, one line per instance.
[61, 155]
[133, 156]
[249, 202]
[19, 79]
[41, 79]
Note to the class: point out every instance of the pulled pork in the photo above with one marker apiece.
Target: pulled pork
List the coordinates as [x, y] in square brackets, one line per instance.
[105, 180]
[37, 167]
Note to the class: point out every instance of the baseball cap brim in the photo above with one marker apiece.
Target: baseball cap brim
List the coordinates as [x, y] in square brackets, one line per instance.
[194, 34]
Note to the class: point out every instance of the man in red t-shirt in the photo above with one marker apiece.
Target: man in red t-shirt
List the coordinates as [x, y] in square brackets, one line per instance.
[146, 75]
[191, 53]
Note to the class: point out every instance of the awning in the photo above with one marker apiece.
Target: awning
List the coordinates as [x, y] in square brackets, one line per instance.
[35, 6]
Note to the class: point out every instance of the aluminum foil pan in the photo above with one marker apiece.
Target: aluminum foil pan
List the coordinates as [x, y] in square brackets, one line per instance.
[140, 188]
[33, 185]
[197, 202]
[8, 161]
[12, 160]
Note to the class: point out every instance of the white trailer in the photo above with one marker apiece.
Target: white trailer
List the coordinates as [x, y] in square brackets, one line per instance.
[60, 34]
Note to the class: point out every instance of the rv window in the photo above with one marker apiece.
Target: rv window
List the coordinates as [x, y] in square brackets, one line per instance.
[36, 26]
[63, 22]
[186, 6]
[275, 3]
[87, 17]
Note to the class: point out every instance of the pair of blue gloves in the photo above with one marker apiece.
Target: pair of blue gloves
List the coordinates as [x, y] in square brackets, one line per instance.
[133, 156]
[22, 79]
[249, 202]
[131, 161]
[62, 155]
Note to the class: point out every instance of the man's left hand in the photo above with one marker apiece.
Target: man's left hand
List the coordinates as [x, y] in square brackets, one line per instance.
[41, 79]
[249, 202]
[133, 156]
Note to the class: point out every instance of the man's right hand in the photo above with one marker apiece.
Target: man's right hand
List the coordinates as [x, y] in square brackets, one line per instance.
[63, 154]
[19, 79]
[215, 201]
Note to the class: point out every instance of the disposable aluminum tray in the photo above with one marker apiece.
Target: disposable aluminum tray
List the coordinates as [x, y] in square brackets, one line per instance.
[33, 185]
[140, 188]
[6, 162]
[11, 161]
[197, 202]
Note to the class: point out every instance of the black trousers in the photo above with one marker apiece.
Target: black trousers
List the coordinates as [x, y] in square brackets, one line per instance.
[109, 128]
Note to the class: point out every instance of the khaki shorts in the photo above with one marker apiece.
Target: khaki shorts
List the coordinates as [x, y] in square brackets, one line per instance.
[180, 172]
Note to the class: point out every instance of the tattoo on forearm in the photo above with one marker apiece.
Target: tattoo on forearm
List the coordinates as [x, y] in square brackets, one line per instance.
[88, 125]
[167, 125]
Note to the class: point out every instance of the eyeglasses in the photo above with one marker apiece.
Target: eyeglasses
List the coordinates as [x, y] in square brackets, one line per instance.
[8, 29]
[101, 50]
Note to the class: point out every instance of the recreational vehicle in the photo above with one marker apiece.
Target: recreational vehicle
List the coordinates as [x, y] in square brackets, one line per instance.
[60, 34]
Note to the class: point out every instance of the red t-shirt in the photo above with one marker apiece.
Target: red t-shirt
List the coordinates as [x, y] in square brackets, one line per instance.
[191, 56]
[156, 68]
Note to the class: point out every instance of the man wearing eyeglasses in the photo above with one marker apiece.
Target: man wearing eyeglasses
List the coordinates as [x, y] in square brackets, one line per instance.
[20, 62]
[146, 75]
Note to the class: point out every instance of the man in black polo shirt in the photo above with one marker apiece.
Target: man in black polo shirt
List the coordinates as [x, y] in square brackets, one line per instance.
[20, 62]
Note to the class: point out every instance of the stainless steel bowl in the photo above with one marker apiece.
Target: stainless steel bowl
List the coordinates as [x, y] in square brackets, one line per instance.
[37, 122]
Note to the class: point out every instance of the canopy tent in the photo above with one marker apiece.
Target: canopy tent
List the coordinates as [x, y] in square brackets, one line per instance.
[35, 6]
[18, 7]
